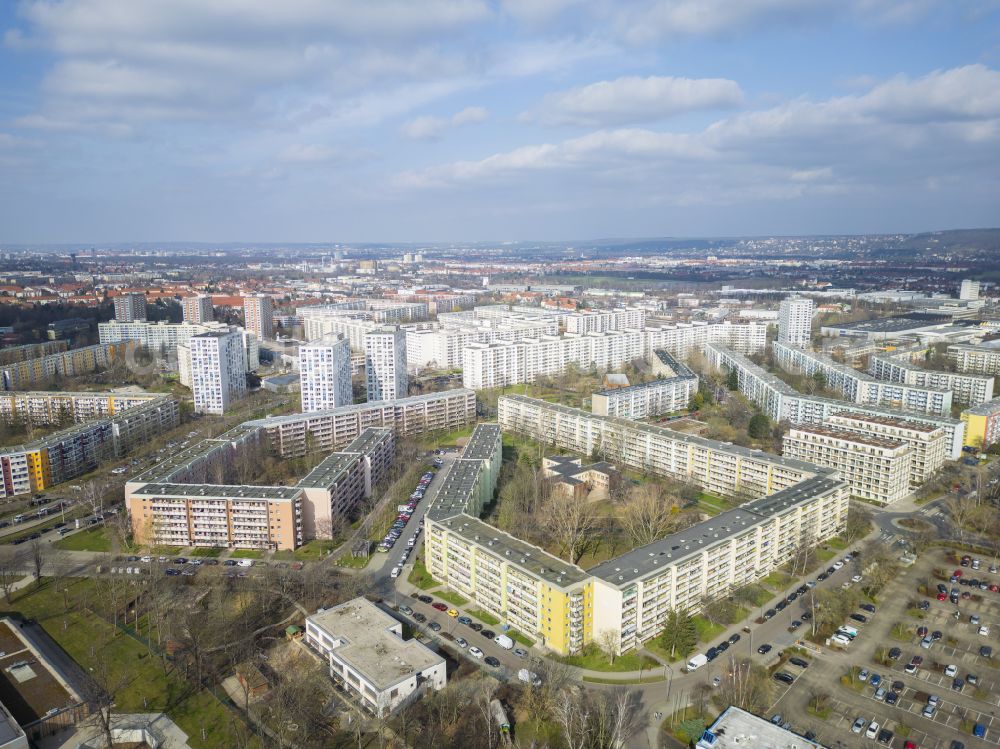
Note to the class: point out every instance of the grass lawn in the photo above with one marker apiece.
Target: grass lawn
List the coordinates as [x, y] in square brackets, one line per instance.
[518, 637]
[246, 554]
[706, 630]
[442, 439]
[483, 616]
[712, 504]
[825, 555]
[643, 680]
[208, 551]
[92, 539]
[312, 551]
[836, 543]
[167, 551]
[420, 577]
[355, 563]
[594, 659]
[89, 640]
[451, 597]
[654, 646]
[761, 595]
[778, 580]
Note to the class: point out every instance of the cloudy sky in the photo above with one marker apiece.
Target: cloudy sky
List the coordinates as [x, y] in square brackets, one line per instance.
[423, 120]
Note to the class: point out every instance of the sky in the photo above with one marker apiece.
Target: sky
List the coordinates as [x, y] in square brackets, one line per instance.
[436, 120]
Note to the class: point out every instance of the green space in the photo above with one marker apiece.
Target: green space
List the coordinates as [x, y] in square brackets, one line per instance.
[713, 504]
[518, 637]
[420, 577]
[167, 551]
[778, 580]
[353, 562]
[707, 630]
[825, 555]
[444, 439]
[451, 597]
[98, 647]
[208, 551]
[761, 595]
[656, 647]
[483, 616]
[91, 539]
[837, 543]
[246, 554]
[643, 680]
[593, 658]
[311, 551]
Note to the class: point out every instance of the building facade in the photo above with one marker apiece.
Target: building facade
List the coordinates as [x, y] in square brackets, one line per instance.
[929, 443]
[984, 360]
[982, 424]
[385, 364]
[665, 395]
[795, 321]
[29, 373]
[325, 374]
[130, 307]
[258, 316]
[966, 389]
[197, 309]
[218, 371]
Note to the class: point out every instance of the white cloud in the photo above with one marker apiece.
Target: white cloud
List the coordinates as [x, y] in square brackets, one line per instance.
[306, 153]
[900, 127]
[633, 99]
[429, 127]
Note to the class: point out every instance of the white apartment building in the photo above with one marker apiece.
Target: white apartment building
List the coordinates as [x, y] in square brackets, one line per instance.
[969, 290]
[218, 371]
[679, 339]
[130, 307]
[385, 364]
[316, 327]
[861, 387]
[258, 316]
[163, 337]
[601, 321]
[441, 348]
[783, 403]
[665, 395]
[966, 389]
[876, 469]
[325, 374]
[982, 359]
[929, 443]
[367, 655]
[795, 321]
[197, 309]
[354, 318]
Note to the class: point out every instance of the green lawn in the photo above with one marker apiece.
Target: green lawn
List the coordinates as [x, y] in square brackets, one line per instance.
[353, 562]
[761, 595]
[836, 543]
[312, 551]
[518, 637]
[483, 616]
[92, 539]
[89, 640]
[246, 554]
[654, 646]
[825, 555]
[451, 597]
[420, 577]
[778, 580]
[643, 680]
[706, 630]
[593, 659]
[208, 551]
[712, 504]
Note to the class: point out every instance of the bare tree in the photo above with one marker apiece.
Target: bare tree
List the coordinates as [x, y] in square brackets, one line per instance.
[608, 642]
[569, 523]
[37, 560]
[571, 715]
[649, 513]
[10, 571]
[100, 691]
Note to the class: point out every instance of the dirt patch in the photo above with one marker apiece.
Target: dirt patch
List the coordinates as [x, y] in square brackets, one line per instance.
[915, 524]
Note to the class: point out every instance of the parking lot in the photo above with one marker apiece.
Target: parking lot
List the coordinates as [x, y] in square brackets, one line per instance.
[961, 705]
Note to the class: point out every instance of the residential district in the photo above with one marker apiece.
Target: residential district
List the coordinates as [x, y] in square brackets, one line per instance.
[519, 496]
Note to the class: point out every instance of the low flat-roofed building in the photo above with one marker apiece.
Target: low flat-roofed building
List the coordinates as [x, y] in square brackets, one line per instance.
[366, 653]
[738, 729]
[587, 483]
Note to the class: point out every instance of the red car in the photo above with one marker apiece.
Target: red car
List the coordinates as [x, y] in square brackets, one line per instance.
[439, 606]
[957, 573]
[909, 745]
[942, 596]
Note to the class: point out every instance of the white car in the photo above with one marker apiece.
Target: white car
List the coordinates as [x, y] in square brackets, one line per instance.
[984, 630]
[872, 731]
[837, 565]
[856, 579]
[475, 652]
[951, 670]
[395, 572]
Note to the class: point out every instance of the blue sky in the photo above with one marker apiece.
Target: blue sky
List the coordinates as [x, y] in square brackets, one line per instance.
[357, 120]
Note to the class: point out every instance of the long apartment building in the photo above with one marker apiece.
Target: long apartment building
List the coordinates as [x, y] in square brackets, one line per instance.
[30, 372]
[108, 426]
[187, 501]
[566, 607]
[442, 347]
[354, 318]
[781, 402]
[966, 389]
[982, 424]
[601, 321]
[23, 352]
[164, 337]
[875, 468]
[860, 387]
[680, 339]
[929, 443]
[667, 394]
[981, 359]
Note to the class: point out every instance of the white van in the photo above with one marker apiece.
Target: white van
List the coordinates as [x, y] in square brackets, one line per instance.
[840, 641]
[504, 641]
[849, 631]
[244, 562]
[697, 662]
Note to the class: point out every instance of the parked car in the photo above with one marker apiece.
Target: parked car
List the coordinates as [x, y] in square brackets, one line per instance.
[785, 677]
[764, 649]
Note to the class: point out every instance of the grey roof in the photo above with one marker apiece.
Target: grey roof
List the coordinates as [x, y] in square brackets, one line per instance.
[482, 442]
[455, 492]
[218, 490]
[273, 421]
[328, 472]
[985, 409]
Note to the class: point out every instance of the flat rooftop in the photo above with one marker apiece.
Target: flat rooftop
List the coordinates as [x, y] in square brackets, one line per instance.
[985, 409]
[482, 444]
[368, 440]
[218, 491]
[738, 729]
[274, 421]
[887, 421]
[848, 436]
[456, 490]
[370, 646]
[892, 324]
[329, 471]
